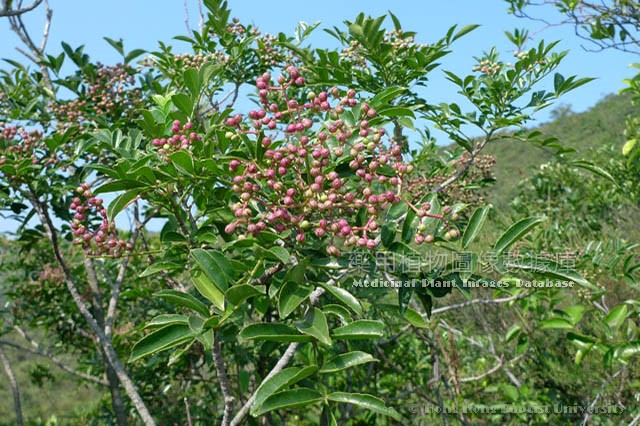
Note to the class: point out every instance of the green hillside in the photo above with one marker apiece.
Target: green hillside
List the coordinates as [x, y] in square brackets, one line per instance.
[602, 125]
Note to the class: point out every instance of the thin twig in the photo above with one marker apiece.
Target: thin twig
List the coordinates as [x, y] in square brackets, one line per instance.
[46, 354]
[225, 385]
[13, 384]
[489, 372]
[6, 10]
[186, 16]
[477, 302]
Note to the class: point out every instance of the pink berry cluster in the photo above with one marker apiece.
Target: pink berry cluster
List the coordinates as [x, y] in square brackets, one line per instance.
[19, 144]
[422, 236]
[318, 171]
[182, 138]
[104, 240]
[109, 91]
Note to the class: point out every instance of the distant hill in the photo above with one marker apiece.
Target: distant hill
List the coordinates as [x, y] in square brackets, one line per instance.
[602, 125]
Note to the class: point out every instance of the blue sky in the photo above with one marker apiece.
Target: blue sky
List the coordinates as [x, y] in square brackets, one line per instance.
[141, 23]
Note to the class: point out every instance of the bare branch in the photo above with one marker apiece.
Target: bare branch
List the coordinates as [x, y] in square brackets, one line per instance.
[479, 302]
[186, 16]
[37, 350]
[7, 11]
[225, 385]
[489, 372]
[465, 167]
[13, 383]
[122, 271]
[47, 26]
[201, 22]
[36, 53]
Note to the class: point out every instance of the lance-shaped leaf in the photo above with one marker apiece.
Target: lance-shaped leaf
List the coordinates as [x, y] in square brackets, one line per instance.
[215, 266]
[160, 340]
[121, 202]
[315, 324]
[359, 330]
[345, 297]
[550, 269]
[274, 332]
[293, 398]
[290, 296]
[366, 401]
[515, 233]
[287, 377]
[475, 225]
[239, 293]
[185, 300]
[207, 288]
[347, 360]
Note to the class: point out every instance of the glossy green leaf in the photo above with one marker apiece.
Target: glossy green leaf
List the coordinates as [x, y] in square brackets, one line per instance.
[207, 288]
[628, 350]
[290, 296]
[478, 218]
[274, 332]
[515, 233]
[161, 266]
[337, 310]
[346, 360]
[386, 96]
[121, 202]
[551, 270]
[183, 102]
[119, 185]
[616, 316]
[595, 169]
[315, 324]
[287, 377]
[167, 319]
[294, 398]
[360, 329]
[161, 339]
[512, 333]
[348, 299]
[183, 162]
[214, 266]
[415, 319]
[183, 299]
[239, 293]
[555, 324]
[192, 81]
[366, 401]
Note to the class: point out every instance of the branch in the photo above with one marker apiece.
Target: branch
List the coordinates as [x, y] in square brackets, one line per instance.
[186, 16]
[462, 170]
[280, 365]
[284, 359]
[122, 271]
[489, 372]
[479, 301]
[37, 350]
[13, 384]
[225, 385]
[201, 22]
[37, 53]
[6, 10]
[105, 343]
